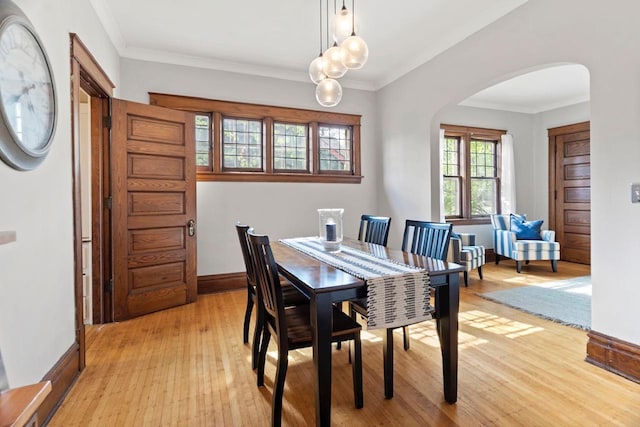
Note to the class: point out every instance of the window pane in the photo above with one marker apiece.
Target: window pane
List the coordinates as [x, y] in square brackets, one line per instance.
[451, 156]
[203, 140]
[484, 197]
[335, 148]
[451, 188]
[483, 159]
[242, 143]
[290, 146]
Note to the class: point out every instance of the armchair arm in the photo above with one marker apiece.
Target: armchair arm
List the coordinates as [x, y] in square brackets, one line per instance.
[503, 242]
[455, 247]
[548, 235]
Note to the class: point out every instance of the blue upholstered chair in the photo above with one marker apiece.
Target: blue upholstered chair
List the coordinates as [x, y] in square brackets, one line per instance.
[464, 251]
[505, 243]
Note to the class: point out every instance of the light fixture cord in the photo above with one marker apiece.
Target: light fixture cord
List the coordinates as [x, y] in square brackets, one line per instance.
[353, 17]
[320, 14]
[327, 21]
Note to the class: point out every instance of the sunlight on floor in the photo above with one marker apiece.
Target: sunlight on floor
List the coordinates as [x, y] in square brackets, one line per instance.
[496, 324]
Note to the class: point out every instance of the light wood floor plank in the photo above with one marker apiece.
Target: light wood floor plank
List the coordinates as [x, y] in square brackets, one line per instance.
[187, 366]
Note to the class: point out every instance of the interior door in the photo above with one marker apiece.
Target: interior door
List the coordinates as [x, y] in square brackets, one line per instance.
[153, 209]
[571, 201]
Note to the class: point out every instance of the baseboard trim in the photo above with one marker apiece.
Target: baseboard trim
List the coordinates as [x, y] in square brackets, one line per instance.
[62, 376]
[614, 355]
[221, 282]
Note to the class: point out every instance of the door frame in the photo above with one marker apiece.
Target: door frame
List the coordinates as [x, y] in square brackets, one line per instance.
[88, 75]
[552, 134]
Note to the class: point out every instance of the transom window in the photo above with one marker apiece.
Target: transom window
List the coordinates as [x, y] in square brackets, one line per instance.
[335, 148]
[471, 176]
[290, 146]
[249, 142]
[242, 144]
[203, 140]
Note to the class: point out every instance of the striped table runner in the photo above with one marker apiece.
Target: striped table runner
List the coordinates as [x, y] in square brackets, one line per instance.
[397, 294]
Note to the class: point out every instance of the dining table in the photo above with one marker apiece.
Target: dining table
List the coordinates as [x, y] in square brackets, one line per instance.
[325, 285]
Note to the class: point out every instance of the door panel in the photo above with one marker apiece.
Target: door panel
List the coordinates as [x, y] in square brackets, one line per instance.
[153, 184]
[571, 187]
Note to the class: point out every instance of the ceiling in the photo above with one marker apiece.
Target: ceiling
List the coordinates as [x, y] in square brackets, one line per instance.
[280, 38]
[538, 91]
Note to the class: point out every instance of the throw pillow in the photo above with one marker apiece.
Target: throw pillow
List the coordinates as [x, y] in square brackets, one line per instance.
[526, 230]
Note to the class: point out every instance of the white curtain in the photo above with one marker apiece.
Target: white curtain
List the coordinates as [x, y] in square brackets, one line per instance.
[508, 178]
[441, 176]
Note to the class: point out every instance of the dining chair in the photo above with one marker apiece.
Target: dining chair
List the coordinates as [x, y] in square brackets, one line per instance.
[430, 239]
[291, 295]
[291, 327]
[374, 229]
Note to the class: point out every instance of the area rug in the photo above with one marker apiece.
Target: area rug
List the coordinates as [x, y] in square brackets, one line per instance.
[564, 301]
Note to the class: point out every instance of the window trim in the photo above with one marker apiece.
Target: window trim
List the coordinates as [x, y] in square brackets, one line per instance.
[268, 114]
[466, 133]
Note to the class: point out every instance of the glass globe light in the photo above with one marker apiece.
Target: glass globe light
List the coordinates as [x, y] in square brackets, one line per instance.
[332, 64]
[342, 25]
[354, 52]
[329, 92]
[316, 71]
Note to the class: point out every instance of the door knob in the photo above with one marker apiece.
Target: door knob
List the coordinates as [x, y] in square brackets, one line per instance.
[191, 227]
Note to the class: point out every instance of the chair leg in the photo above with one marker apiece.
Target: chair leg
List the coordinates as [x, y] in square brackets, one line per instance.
[278, 388]
[518, 266]
[466, 279]
[356, 369]
[554, 265]
[266, 336]
[339, 306]
[480, 272]
[497, 259]
[405, 337]
[527, 262]
[257, 331]
[247, 317]
[387, 358]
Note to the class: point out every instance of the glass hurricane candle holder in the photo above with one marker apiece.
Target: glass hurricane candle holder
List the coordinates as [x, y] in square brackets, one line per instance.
[330, 229]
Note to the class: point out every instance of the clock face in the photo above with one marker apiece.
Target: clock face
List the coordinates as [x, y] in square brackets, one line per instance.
[26, 89]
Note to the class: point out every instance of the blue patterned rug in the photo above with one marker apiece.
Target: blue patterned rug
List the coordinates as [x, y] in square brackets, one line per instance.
[563, 301]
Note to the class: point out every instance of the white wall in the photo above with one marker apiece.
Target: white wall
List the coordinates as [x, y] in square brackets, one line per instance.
[539, 33]
[277, 209]
[37, 322]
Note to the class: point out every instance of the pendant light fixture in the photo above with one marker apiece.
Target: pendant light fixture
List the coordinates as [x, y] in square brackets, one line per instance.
[332, 65]
[354, 52]
[342, 24]
[348, 51]
[329, 92]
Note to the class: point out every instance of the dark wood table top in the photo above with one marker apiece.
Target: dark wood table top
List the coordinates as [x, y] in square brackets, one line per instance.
[321, 277]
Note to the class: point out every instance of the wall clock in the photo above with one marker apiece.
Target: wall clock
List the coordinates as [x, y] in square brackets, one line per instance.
[27, 92]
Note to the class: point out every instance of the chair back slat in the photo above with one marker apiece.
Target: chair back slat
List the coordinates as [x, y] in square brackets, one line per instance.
[246, 253]
[268, 281]
[374, 229]
[425, 238]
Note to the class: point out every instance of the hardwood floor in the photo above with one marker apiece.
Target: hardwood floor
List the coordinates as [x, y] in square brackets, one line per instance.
[188, 366]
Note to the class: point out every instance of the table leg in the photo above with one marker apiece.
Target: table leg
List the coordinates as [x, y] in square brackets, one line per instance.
[447, 301]
[322, 325]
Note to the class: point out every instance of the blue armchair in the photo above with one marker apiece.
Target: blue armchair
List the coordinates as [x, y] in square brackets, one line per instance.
[506, 244]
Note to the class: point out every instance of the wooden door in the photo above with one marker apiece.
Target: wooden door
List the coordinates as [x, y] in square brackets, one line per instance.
[570, 216]
[154, 208]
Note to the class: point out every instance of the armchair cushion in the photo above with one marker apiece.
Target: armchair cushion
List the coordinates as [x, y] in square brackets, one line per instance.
[525, 230]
